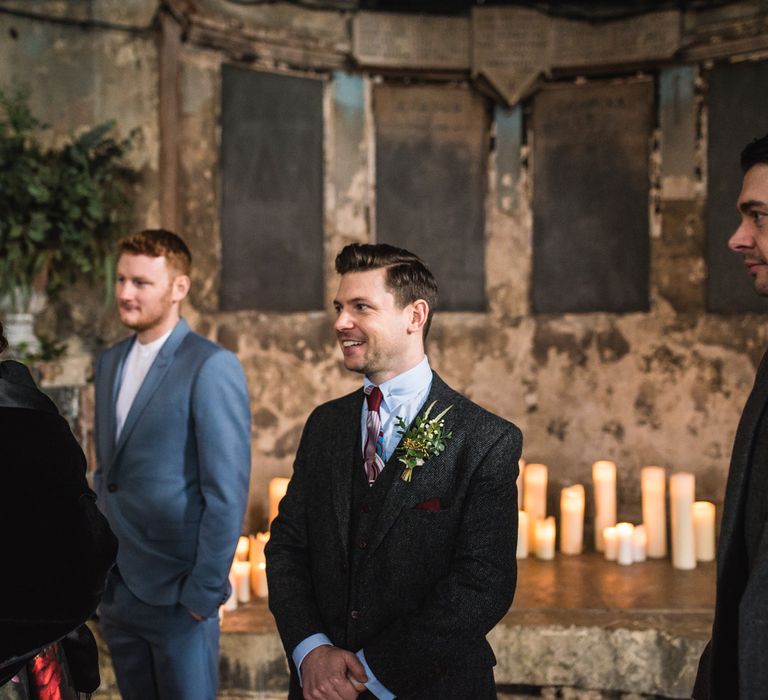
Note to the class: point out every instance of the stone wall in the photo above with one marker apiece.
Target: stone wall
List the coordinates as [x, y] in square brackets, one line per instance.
[663, 387]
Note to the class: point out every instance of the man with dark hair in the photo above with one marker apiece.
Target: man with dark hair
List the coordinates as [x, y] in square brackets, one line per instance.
[173, 451]
[393, 553]
[735, 662]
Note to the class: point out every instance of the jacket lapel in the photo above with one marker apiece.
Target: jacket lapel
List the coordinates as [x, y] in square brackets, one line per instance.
[346, 453]
[426, 477]
[106, 397]
[151, 381]
[742, 449]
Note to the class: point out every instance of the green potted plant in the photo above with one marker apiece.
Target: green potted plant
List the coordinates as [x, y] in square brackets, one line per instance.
[61, 209]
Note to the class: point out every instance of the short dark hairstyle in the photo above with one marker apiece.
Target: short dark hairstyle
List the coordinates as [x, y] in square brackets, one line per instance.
[407, 277]
[3, 339]
[157, 242]
[755, 153]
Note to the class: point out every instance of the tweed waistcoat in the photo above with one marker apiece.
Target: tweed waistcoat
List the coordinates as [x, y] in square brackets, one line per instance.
[367, 502]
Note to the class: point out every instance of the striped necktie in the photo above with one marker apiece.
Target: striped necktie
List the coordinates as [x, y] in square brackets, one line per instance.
[374, 440]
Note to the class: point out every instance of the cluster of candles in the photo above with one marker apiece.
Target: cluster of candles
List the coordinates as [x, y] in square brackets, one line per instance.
[248, 574]
[692, 522]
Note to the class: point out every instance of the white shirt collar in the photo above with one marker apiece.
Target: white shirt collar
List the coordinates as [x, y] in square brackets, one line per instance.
[153, 347]
[401, 388]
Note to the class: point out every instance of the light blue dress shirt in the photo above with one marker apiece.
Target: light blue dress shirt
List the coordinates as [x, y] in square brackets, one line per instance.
[402, 396]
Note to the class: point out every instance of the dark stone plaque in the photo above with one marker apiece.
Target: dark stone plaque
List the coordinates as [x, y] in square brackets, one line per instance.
[272, 191]
[738, 112]
[591, 247]
[431, 146]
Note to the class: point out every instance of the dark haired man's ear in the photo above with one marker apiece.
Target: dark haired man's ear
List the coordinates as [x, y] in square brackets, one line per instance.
[419, 311]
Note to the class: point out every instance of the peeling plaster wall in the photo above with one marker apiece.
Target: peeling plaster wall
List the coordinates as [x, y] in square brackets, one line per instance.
[664, 387]
[79, 78]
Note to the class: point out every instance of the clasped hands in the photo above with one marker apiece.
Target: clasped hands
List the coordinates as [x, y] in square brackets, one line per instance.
[330, 673]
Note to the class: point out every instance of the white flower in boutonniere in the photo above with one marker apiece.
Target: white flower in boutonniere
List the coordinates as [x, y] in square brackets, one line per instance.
[424, 439]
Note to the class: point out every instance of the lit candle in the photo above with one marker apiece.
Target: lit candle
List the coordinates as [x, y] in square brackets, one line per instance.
[639, 543]
[704, 526]
[682, 487]
[572, 519]
[653, 486]
[258, 542]
[231, 603]
[625, 554]
[545, 538]
[242, 580]
[277, 489]
[521, 465]
[241, 553]
[604, 478]
[522, 534]
[259, 579]
[611, 542]
[535, 496]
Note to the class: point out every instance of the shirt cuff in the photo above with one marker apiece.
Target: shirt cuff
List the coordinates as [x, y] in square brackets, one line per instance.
[304, 647]
[373, 684]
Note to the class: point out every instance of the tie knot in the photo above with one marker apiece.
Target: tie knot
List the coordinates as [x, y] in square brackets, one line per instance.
[373, 396]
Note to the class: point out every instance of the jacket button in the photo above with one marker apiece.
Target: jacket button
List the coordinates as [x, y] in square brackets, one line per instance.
[354, 614]
[111, 488]
[363, 544]
[365, 509]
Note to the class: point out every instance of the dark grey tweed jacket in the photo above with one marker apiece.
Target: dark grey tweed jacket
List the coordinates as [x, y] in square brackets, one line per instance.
[735, 662]
[435, 582]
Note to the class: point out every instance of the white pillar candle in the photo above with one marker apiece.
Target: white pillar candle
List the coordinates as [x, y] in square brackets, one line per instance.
[604, 478]
[231, 603]
[241, 552]
[625, 553]
[242, 580]
[521, 465]
[259, 579]
[522, 534]
[258, 542]
[545, 538]
[611, 542]
[535, 497]
[682, 487]
[277, 489]
[572, 519]
[639, 543]
[653, 487]
[704, 527]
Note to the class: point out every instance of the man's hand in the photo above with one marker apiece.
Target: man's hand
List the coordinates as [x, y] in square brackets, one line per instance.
[324, 674]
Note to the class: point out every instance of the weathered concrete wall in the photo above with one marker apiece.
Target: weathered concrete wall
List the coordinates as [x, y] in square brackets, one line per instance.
[79, 78]
[664, 387]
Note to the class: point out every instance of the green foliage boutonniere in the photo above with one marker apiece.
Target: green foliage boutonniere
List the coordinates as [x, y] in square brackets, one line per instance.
[424, 439]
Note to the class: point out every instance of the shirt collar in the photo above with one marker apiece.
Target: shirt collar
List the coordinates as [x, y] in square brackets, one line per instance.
[401, 388]
[152, 347]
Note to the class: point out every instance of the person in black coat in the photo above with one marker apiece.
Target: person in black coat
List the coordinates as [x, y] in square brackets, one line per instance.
[387, 569]
[55, 547]
[735, 662]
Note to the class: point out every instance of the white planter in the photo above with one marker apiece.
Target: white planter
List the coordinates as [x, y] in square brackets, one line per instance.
[18, 316]
[19, 329]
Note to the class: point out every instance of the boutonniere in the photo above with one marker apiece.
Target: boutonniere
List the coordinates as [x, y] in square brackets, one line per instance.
[424, 439]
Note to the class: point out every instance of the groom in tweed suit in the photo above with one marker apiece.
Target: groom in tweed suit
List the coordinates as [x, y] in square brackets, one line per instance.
[383, 587]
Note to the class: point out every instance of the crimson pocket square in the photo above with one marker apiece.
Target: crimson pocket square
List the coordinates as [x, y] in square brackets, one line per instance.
[432, 505]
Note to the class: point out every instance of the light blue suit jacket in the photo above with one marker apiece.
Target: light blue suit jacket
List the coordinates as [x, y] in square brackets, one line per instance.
[174, 487]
